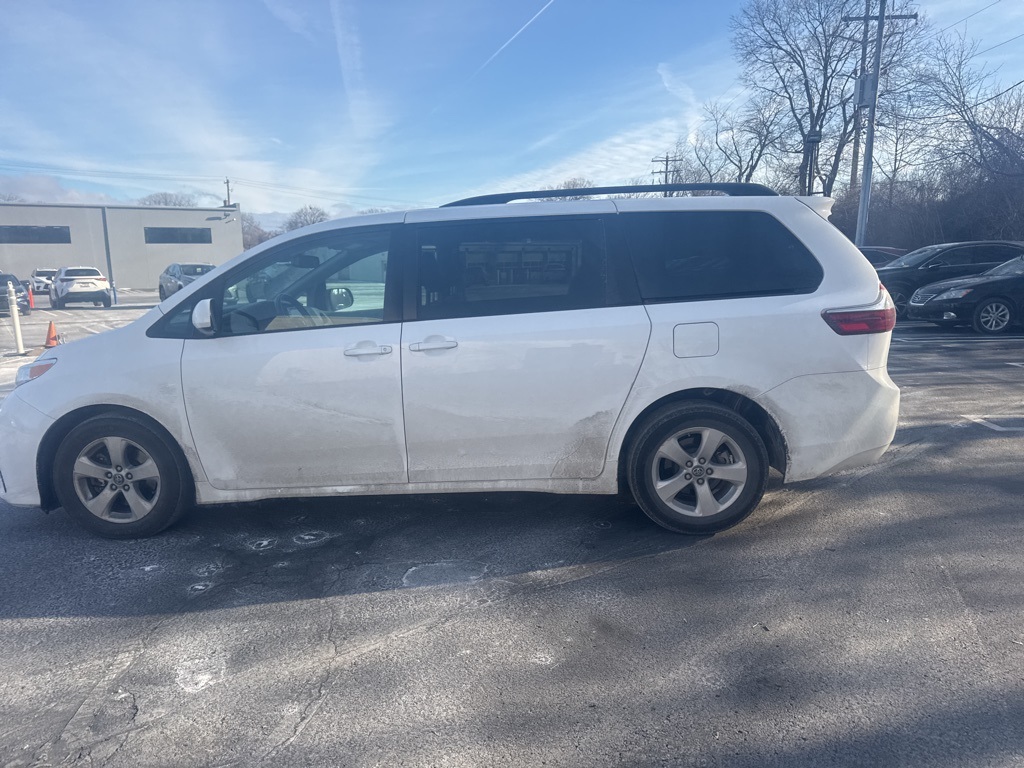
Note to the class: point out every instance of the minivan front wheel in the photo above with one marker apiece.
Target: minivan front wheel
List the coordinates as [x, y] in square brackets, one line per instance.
[118, 478]
[697, 468]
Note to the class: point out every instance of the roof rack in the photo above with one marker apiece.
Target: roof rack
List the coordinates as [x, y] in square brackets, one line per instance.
[734, 189]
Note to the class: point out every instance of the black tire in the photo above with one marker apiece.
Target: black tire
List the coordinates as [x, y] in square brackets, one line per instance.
[56, 304]
[688, 426]
[994, 316]
[106, 302]
[900, 295]
[26, 311]
[162, 292]
[150, 504]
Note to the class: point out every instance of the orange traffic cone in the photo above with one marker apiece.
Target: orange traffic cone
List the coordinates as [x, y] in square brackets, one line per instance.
[31, 299]
[51, 336]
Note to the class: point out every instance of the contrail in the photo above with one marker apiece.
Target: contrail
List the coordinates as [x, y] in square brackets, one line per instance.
[509, 41]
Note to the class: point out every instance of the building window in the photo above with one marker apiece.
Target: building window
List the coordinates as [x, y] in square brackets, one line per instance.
[178, 235]
[25, 235]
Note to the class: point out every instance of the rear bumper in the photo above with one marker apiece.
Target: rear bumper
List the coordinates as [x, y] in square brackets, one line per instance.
[72, 296]
[834, 421]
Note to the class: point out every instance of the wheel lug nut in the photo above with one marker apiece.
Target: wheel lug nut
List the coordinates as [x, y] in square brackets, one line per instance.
[127, 488]
[129, 475]
[110, 475]
[700, 481]
[689, 463]
[701, 460]
[113, 487]
[118, 469]
[710, 472]
[688, 476]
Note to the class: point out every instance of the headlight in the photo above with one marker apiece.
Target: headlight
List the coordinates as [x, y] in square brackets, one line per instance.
[33, 370]
[956, 293]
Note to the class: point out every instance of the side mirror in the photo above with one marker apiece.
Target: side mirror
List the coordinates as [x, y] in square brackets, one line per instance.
[340, 298]
[202, 317]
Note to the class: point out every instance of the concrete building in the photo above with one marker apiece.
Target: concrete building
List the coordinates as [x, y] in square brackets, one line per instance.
[130, 244]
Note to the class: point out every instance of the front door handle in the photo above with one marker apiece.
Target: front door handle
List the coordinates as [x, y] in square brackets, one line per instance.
[384, 349]
[433, 343]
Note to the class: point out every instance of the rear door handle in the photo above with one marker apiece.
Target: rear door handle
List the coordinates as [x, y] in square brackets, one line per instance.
[434, 343]
[383, 349]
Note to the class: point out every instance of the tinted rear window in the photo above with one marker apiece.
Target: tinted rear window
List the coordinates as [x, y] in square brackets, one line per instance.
[691, 255]
[82, 273]
[194, 270]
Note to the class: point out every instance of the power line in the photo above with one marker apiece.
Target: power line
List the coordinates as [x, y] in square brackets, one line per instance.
[965, 18]
[998, 45]
[1001, 93]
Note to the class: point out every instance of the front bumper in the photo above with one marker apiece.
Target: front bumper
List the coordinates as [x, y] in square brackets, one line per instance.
[936, 311]
[23, 428]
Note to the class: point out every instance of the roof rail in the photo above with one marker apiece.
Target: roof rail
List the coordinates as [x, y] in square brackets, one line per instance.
[734, 189]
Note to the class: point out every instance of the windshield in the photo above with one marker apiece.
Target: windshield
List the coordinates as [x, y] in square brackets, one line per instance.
[1008, 268]
[45, 272]
[194, 270]
[914, 258]
[83, 272]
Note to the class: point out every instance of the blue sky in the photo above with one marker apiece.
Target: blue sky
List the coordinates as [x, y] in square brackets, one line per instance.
[350, 104]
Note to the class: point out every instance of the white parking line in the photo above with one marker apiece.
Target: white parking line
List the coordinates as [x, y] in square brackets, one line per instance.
[984, 421]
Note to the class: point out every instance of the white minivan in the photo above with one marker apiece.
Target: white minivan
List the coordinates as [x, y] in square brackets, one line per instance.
[678, 347]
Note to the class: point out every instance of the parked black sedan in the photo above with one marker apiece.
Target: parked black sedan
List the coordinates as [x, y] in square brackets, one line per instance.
[940, 262]
[991, 302]
[20, 293]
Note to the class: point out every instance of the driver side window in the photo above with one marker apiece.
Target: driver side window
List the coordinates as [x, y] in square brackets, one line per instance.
[321, 281]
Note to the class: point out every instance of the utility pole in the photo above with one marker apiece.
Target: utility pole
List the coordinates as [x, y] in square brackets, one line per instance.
[854, 170]
[227, 183]
[872, 105]
[666, 159]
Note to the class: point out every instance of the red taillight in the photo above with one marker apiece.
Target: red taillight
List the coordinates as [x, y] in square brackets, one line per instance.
[877, 318]
[851, 323]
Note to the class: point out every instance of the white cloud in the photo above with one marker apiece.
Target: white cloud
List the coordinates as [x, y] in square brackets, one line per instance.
[289, 15]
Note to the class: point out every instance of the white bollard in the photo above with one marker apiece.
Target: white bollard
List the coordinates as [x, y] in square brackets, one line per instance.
[12, 304]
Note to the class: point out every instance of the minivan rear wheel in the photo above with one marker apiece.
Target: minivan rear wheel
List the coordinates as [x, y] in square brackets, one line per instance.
[118, 478]
[697, 468]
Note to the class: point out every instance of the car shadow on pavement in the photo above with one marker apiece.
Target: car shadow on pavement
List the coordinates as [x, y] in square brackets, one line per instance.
[286, 550]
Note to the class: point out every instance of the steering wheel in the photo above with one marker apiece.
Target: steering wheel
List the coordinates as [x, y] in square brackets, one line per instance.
[284, 303]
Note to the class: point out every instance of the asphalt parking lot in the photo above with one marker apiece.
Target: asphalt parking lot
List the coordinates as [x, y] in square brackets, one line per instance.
[871, 618]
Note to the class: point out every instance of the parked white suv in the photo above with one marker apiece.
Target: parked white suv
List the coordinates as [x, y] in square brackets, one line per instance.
[676, 346]
[41, 279]
[79, 284]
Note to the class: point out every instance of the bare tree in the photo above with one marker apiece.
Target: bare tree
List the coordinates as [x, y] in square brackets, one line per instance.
[801, 53]
[9, 197]
[252, 232]
[170, 200]
[306, 215]
[576, 182]
[746, 136]
[367, 211]
[987, 120]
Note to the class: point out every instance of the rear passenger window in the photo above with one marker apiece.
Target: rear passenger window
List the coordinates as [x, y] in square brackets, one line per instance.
[500, 267]
[692, 255]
